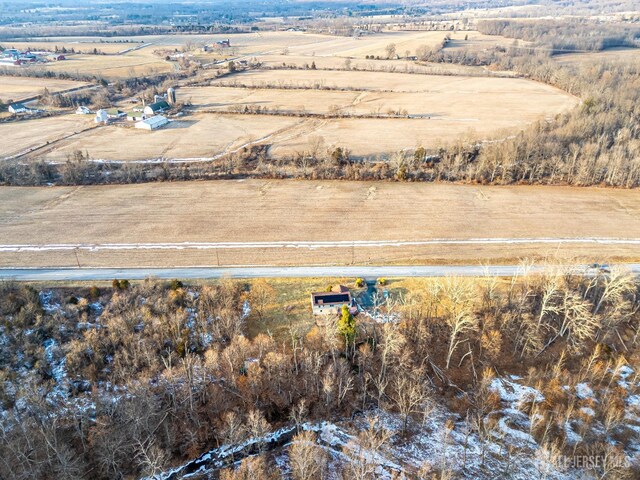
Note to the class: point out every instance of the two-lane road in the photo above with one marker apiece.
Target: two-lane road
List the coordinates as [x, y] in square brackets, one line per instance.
[97, 274]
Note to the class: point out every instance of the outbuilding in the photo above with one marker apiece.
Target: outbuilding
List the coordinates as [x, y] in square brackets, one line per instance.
[152, 123]
[101, 117]
[18, 108]
[156, 108]
[136, 116]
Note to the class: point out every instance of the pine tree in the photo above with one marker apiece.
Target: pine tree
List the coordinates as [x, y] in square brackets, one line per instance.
[347, 328]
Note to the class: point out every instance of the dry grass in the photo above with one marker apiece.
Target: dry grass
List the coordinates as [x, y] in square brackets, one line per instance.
[19, 88]
[251, 211]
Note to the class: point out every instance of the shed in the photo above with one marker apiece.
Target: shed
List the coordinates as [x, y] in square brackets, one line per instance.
[152, 123]
[82, 110]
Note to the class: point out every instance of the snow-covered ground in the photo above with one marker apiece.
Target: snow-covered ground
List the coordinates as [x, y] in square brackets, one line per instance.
[502, 445]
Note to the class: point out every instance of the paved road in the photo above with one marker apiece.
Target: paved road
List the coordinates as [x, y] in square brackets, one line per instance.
[95, 274]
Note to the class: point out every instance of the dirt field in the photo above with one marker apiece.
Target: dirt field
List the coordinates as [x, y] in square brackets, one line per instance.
[20, 88]
[296, 211]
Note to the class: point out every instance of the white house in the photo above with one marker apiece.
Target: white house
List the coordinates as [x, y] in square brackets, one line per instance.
[330, 303]
[82, 110]
[101, 116]
[152, 123]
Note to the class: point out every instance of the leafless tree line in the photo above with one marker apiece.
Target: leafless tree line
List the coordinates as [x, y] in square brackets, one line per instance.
[171, 374]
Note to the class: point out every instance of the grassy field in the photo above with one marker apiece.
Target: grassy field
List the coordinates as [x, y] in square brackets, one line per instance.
[293, 211]
[20, 88]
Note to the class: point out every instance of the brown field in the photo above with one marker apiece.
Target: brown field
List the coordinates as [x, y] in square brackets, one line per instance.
[85, 46]
[385, 81]
[610, 55]
[471, 98]
[474, 107]
[444, 107]
[19, 88]
[405, 66]
[195, 136]
[293, 211]
[140, 62]
[29, 134]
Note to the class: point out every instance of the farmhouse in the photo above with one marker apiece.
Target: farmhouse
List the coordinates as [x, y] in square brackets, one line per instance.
[327, 303]
[152, 123]
[82, 110]
[156, 108]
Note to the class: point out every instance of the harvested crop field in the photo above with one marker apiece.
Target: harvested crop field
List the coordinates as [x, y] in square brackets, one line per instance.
[112, 67]
[28, 135]
[195, 136]
[21, 88]
[387, 81]
[609, 55]
[444, 219]
[86, 45]
[443, 108]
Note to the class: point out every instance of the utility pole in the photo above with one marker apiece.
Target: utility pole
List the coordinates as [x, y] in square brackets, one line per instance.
[75, 250]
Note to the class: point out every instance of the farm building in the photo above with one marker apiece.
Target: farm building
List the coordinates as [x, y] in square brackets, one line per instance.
[156, 108]
[101, 116]
[327, 303]
[152, 123]
[135, 116]
[82, 110]
[114, 113]
[18, 108]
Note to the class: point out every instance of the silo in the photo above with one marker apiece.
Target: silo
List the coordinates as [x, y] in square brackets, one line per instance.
[171, 96]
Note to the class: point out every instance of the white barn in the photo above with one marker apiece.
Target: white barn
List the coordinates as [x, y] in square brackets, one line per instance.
[101, 116]
[152, 123]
